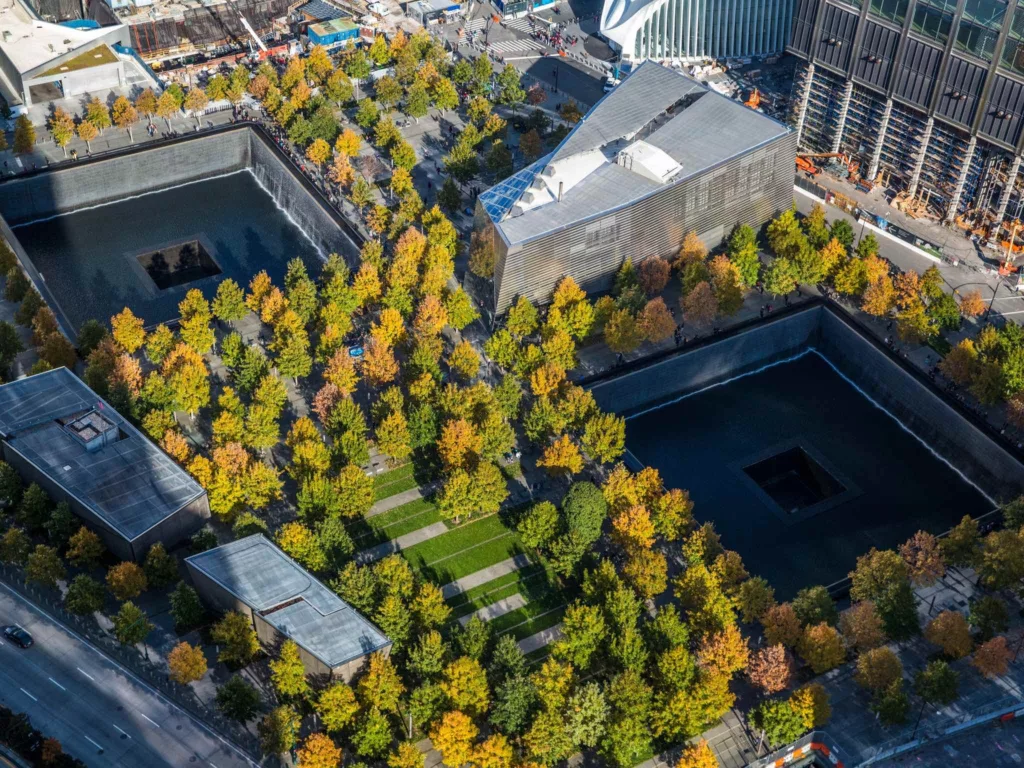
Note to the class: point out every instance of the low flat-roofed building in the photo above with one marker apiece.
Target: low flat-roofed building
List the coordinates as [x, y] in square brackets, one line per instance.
[60, 434]
[333, 34]
[283, 600]
[659, 156]
[41, 62]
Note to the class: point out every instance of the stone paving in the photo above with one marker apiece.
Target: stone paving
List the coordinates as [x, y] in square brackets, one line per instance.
[494, 610]
[490, 573]
[541, 639]
[402, 542]
[413, 494]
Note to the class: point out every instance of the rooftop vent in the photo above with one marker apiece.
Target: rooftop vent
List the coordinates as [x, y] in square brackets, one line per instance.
[92, 429]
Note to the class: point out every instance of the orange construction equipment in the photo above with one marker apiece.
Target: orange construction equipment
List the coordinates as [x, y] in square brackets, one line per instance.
[754, 101]
[806, 165]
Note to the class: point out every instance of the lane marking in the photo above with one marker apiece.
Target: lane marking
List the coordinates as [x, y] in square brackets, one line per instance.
[92, 742]
[56, 683]
[67, 631]
[29, 695]
[86, 674]
[122, 730]
[152, 721]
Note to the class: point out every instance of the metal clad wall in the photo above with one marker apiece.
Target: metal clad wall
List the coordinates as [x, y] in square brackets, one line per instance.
[835, 41]
[918, 70]
[803, 26]
[877, 51]
[1006, 96]
[961, 90]
[711, 204]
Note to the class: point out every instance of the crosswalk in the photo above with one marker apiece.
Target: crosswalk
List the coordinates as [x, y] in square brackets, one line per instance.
[513, 46]
[520, 25]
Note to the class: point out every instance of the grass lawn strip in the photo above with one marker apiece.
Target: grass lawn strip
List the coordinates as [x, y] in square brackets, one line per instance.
[531, 585]
[469, 560]
[544, 604]
[394, 523]
[455, 541]
[536, 658]
[533, 626]
[393, 482]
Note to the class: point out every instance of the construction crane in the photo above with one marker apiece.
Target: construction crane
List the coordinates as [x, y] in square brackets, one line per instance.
[248, 27]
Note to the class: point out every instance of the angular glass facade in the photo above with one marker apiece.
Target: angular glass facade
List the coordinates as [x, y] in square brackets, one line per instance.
[695, 29]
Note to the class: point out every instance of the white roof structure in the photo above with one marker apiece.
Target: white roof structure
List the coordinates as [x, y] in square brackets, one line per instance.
[28, 43]
[657, 128]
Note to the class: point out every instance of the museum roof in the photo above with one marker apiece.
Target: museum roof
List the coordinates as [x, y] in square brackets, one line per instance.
[29, 42]
[71, 435]
[263, 577]
[658, 127]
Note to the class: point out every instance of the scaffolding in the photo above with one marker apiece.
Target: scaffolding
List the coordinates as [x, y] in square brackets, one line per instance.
[863, 128]
[824, 108]
[901, 146]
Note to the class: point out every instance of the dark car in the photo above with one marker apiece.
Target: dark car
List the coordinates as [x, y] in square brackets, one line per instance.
[18, 636]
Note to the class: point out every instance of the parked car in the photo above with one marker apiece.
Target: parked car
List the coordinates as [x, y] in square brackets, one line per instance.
[18, 636]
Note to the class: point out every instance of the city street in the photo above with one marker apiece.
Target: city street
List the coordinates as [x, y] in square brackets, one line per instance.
[96, 709]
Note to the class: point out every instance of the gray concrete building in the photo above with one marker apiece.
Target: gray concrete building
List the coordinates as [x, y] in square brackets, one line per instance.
[659, 156]
[60, 434]
[42, 62]
[283, 600]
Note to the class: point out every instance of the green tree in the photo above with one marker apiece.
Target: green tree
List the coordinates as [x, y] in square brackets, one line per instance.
[186, 608]
[237, 638]
[279, 730]
[287, 672]
[160, 567]
[44, 566]
[779, 722]
[583, 633]
[781, 277]
[237, 699]
[336, 706]
[937, 683]
[14, 546]
[892, 705]
[24, 135]
[85, 595]
[131, 625]
[229, 303]
[539, 525]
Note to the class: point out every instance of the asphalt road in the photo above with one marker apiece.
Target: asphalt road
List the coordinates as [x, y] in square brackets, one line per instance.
[96, 709]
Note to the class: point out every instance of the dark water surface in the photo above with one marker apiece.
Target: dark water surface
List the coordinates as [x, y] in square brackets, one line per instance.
[895, 486]
[89, 258]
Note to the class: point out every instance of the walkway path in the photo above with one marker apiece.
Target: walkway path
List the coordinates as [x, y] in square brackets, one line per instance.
[490, 573]
[413, 494]
[541, 639]
[402, 542]
[494, 610]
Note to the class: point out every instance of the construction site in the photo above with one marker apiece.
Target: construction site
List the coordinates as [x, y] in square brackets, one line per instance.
[940, 134]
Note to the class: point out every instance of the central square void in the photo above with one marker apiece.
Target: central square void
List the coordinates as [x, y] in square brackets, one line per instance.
[178, 264]
[800, 472]
[794, 480]
[146, 252]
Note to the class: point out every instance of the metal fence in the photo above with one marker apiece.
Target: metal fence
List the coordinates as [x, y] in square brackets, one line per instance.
[128, 657]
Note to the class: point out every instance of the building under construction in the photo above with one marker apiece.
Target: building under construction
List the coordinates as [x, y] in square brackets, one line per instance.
[170, 28]
[923, 96]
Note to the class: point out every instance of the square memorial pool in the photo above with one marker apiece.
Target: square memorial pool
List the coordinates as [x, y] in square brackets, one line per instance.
[799, 471]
